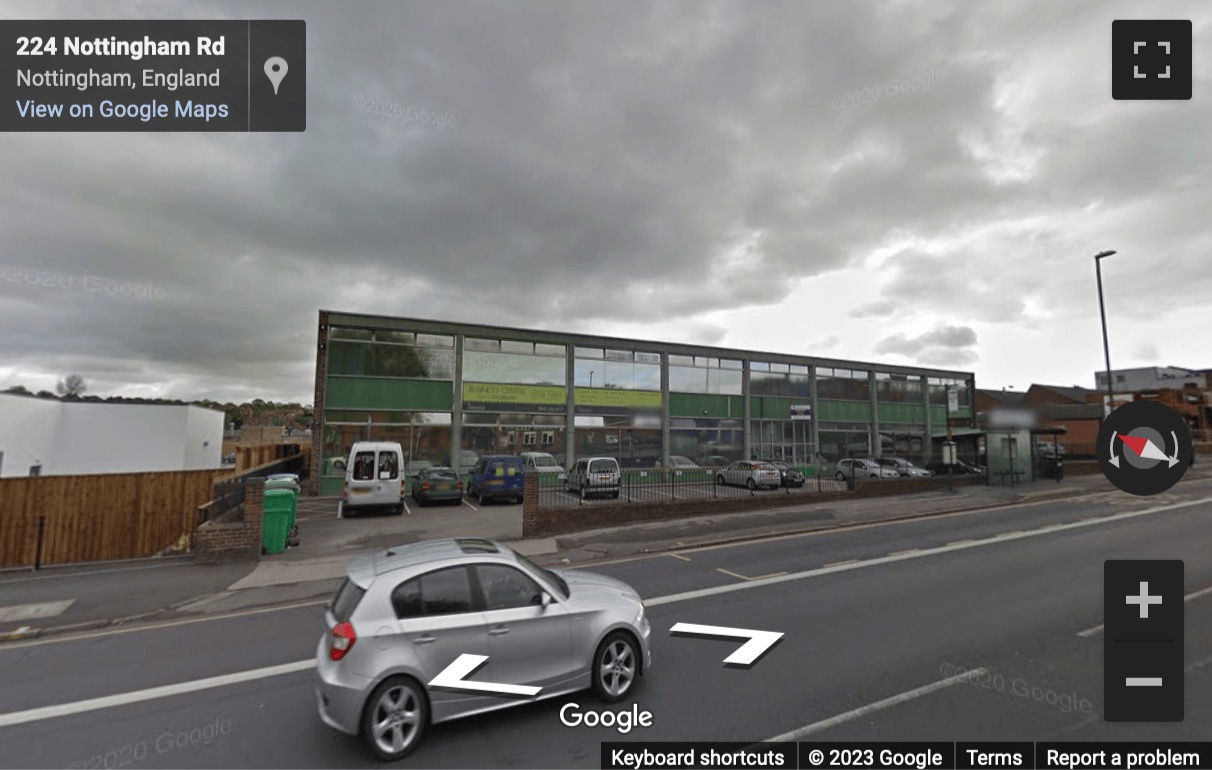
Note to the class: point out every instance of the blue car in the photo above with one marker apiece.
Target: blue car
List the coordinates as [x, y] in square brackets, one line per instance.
[495, 477]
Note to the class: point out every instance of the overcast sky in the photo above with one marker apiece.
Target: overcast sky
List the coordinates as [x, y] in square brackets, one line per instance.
[902, 182]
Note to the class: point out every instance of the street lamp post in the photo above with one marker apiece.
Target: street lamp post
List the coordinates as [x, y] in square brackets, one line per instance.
[1102, 311]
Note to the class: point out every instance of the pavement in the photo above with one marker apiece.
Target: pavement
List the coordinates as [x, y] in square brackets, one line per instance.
[78, 598]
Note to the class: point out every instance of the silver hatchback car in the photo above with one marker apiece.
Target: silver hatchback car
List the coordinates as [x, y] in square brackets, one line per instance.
[403, 616]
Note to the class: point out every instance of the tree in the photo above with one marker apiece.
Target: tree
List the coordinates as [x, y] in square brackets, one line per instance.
[18, 390]
[71, 386]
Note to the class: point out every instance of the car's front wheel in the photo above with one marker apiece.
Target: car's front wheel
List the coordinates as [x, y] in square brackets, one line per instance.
[719, 480]
[751, 484]
[615, 667]
[841, 476]
[395, 718]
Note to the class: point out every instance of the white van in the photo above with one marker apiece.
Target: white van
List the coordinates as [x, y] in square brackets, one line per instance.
[543, 462]
[374, 479]
[594, 476]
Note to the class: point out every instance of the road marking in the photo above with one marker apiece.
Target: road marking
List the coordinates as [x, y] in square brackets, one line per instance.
[961, 542]
[469, 505]
[1003, 538]
[406, 508]
[743, 577]
[825, 724]
[678, 556]
[1193, 595]
[34, 611]
[902, 553]
[152, 693]
[840, 563]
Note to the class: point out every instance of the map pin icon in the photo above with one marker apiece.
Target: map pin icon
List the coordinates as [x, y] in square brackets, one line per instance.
[275, 70]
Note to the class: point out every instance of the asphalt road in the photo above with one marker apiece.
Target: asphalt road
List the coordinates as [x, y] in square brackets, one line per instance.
[875, 618]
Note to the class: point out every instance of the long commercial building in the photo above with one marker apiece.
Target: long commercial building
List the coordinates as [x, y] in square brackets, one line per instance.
[446, 391]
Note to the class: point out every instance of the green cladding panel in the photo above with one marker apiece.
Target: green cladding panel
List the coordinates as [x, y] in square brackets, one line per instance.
[699, 405]
[770, 408]
[902, 413]
[844, 411]
[389, 393]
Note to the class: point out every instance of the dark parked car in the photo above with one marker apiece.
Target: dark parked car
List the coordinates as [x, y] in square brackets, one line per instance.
[791, 477]
[437, 484]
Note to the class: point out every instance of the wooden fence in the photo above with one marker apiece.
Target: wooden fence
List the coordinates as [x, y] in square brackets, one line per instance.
[250, 457]
[67, 519]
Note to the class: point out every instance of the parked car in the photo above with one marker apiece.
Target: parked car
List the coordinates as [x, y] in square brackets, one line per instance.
[789, 476]
[863, 468]
[420, 466]
[374, 479]
[402, 617]
[464, 461]
[904, 468]
[594, 476]
[677, 461]
[437, 484]
[751, 474]
[494, 477]
[543, 462]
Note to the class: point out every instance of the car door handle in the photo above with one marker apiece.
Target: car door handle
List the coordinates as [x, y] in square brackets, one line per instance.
[498, 631]
[425, 639]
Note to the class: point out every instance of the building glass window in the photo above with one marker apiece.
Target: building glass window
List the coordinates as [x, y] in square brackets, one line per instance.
[513, 368]
[365, 359]
[705, 376]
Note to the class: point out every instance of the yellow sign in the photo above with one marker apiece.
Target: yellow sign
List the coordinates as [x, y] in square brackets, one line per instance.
[638, 399]
[552, 395]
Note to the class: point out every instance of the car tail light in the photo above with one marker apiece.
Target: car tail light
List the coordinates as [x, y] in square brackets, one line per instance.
[460, 485]
[425, 486]
[342, 641]
[345, 490]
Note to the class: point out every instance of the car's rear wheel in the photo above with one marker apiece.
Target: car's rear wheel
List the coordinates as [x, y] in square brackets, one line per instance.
[615, 667]
[480, 498]
[395, 718]
[615, 495]
[398, 509]
[750, 484]
[841, 476]
[719, 480]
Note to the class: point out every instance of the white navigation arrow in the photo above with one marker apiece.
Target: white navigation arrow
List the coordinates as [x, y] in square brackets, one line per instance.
[758, 644]
[1173, 460]
[453, 677]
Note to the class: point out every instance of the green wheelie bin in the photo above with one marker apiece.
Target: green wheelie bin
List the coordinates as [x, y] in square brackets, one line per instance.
[278, 514]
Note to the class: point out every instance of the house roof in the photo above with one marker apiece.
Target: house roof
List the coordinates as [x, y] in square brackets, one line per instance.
[1071, 412]
[1004, 397]
[1075, 394]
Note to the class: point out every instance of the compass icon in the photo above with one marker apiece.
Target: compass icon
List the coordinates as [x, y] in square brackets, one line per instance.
[1144, 448]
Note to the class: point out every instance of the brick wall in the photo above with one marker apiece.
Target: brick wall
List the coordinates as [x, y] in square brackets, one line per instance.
[545, 522]
[224, 541]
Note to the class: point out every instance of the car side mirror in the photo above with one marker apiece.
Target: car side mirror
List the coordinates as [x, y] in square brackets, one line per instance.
[545, 599]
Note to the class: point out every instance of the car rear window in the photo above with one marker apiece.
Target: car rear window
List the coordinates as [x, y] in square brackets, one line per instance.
[364, 466]
[601, 466]
[505, 468]
[346, 600]
[441, 473]
[389, 465]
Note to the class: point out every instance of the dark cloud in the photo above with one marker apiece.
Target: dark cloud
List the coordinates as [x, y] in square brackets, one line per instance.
[945, 346]
[607, 169]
